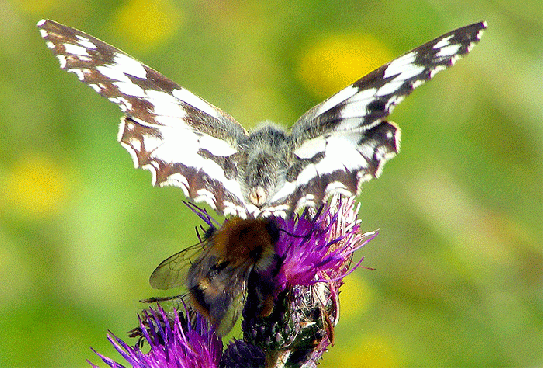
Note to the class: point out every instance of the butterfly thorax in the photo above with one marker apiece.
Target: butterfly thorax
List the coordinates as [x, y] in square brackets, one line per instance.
[266, 165]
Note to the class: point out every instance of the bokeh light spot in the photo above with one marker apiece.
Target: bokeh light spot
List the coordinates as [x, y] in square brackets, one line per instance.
[35, 188]
[355, 296]
[339, 60]
[148, 23]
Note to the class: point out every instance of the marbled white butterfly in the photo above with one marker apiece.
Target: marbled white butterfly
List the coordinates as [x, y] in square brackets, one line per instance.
[187, 142]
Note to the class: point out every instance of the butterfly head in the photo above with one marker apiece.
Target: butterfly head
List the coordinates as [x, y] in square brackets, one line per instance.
[258, 196]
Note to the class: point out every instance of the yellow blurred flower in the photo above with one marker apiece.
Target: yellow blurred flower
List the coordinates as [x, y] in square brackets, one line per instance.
[148, 23]
[374, 351]
[355, 296]
[35, 188]
[339, 60]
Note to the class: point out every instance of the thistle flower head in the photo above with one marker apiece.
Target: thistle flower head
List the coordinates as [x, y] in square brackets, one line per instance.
[316, 250]
[240, 354]
[312, 254]
[319, 248]
[174, 341]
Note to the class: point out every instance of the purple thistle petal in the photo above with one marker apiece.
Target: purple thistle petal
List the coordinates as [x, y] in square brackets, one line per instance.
[202, 213]
[173, 343]
[320, 248]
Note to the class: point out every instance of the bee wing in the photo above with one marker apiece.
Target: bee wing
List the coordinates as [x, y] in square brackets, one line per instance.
[172, 272]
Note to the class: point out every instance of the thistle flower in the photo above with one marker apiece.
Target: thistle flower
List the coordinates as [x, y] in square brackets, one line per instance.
[319, 248]
[314, 252]
[240, 354]
[175, 340]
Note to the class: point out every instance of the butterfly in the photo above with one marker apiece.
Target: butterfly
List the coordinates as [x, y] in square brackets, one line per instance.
[186, 142]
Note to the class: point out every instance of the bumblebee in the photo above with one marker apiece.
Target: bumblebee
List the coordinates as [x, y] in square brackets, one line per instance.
[216, 272]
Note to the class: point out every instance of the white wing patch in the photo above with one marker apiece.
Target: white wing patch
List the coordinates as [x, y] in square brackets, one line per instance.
[130, 89]
[340, 153]
[339, 97]
[165, 104]
[401, 65]
[195, 101]
[311, 147]
[76, 50]
[217, 147]
[85, 42]
[356, 107]
[448, 50]
[129, 66]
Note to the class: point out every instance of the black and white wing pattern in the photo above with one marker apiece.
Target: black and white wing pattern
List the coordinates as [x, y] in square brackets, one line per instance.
[344, 141]
[187, 142]
[183, 140]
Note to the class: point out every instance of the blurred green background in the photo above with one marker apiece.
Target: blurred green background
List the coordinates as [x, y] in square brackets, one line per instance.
[459, 263]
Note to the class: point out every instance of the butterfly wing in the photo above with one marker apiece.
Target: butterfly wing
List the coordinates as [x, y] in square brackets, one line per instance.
[183, 140]
[345, 141]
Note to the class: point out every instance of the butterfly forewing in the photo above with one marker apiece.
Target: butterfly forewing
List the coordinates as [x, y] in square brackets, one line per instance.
[182, 139]
[344, 141]
[374, 96]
